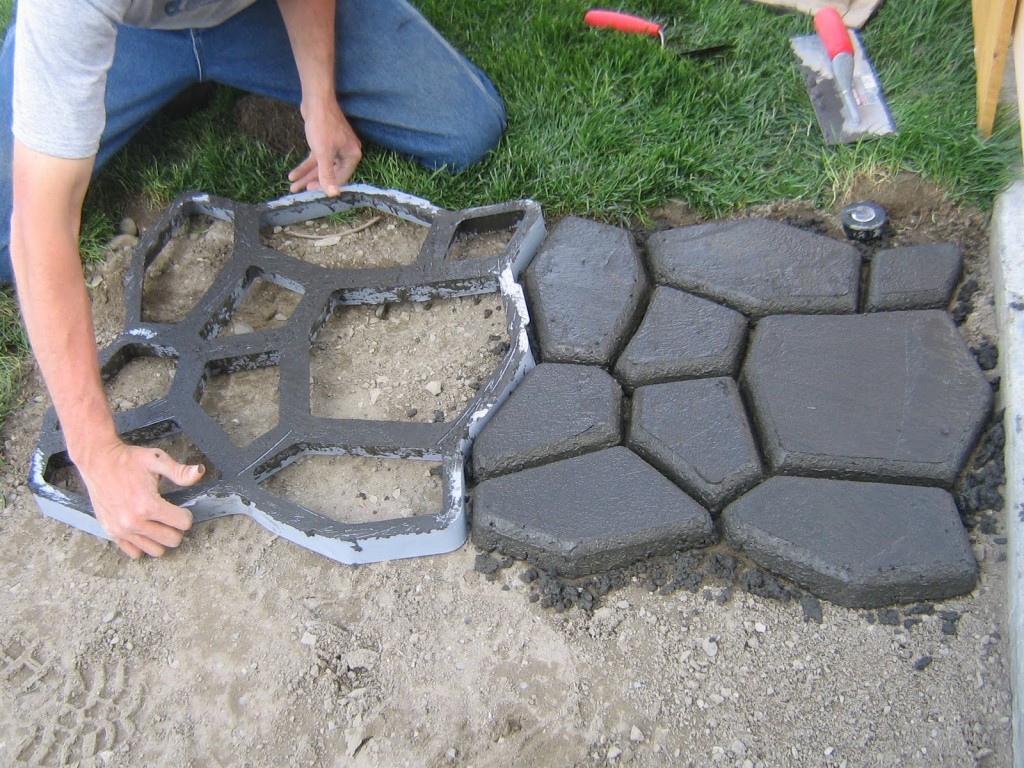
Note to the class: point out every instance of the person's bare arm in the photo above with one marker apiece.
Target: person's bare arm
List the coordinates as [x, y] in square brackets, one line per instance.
[335, 150]
[121, 480]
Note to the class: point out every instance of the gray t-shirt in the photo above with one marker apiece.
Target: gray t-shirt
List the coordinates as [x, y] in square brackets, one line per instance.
[63, 50]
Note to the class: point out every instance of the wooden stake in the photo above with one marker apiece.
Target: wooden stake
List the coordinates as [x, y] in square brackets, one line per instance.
[993, 25]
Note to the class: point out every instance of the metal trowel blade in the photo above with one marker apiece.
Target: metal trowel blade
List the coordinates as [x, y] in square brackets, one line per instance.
[875, 119]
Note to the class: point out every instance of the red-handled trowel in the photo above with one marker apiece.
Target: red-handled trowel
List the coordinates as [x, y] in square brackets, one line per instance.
[845, 93]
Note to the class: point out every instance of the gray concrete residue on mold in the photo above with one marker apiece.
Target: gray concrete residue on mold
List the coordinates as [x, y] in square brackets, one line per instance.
[238, 486]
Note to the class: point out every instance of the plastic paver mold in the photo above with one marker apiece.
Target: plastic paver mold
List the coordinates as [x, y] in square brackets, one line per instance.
[200, 352]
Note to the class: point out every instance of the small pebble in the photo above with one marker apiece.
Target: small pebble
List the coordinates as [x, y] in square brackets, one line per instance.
[710, 647]
[127, 226]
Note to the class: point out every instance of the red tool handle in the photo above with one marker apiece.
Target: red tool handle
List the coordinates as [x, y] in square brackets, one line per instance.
[833, 32]
[623, 22]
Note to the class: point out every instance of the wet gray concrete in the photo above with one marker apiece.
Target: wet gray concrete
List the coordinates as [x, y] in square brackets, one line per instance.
[826, 442]
[590, 286]
[588, 514]
[893, 396]
[557, 411]
[859, 544]
[697, 433]
[915, 277]
[682, 336]
[758, 267]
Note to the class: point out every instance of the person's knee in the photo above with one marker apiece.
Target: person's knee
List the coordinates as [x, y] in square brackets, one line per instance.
[471, 141]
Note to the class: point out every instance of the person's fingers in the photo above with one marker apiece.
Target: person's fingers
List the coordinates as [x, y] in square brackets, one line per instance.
[310, 181]
[303, 169]
[149, 546]
[165, 535]
[162, 464]
[346, 167]
[129, 549]
[168, 514]
[327, 178]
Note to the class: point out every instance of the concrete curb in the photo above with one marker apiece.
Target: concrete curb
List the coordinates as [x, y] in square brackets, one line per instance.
[1007, 255]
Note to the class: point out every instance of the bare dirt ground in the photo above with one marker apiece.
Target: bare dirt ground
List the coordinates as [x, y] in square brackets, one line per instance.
[241, 649]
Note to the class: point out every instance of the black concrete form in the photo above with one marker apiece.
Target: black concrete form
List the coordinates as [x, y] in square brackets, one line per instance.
[202, 352]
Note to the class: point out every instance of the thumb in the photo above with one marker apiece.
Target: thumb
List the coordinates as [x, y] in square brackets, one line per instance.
[177, 473]
[328, 179]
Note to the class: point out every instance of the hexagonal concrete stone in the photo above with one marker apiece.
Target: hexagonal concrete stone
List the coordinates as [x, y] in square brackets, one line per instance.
[682, 336]
[888, 396]
[759, 267]
[861, 545]
[557, 411]
[586, 286]
[697, 433]
[915, 277]
[588, 514]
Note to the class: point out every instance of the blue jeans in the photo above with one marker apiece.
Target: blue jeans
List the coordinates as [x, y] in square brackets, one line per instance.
[400, 83]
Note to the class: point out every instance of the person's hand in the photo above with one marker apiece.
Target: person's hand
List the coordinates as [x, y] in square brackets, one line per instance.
[335, 151]
[122, 482]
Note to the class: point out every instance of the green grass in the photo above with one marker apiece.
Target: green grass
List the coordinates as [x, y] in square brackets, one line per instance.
[13, 349]
[610, 126]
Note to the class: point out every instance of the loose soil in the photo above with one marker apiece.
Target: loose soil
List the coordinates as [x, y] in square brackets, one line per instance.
[242, 649]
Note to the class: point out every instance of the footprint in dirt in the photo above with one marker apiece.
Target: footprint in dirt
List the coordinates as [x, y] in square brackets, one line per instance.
[67, 716]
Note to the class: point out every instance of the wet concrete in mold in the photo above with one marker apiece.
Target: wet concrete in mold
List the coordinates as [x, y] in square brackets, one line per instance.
[815, 424]
[736, 388]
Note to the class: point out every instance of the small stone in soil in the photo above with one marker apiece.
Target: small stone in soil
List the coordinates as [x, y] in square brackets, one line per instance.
[922, 663]
[486, 564]
[922, 609]
[965, 301]
[987, 355]
[889, 617]
[763, 585]
[811, 608]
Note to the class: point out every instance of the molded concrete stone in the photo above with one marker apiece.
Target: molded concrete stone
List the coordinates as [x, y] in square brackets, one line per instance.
[585, 287]
[697, 433]
[588, 514]
[861, 545]
[682, 336]
[916, 277]
[759, 267]
[888, 396]
[557, 411]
